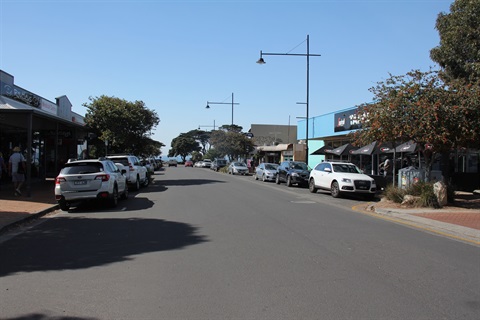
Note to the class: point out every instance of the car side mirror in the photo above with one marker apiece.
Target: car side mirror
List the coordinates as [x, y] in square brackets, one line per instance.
[327, 170]
[124, 171]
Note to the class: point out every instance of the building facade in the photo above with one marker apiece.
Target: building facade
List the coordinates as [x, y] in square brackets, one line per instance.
[48, 133]
[328, 139]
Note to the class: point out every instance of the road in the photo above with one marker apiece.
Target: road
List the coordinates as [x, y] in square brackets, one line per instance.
[198, 244]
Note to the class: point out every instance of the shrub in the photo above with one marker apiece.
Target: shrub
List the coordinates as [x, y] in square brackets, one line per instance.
[394, 194]
[224, 169]
[423, 190]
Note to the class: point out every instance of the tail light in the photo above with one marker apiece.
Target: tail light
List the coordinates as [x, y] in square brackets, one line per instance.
[103, 177]
[59, 179]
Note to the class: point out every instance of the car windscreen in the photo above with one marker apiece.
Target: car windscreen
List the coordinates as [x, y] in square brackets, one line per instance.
[348, 168]
[271, 167]
[300, 166]
[82, 168]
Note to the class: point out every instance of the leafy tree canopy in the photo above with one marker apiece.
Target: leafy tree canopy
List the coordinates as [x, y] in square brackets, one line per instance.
[183, 146]
[231, 143]
[202, 137]
[126, 126]
[459, 51]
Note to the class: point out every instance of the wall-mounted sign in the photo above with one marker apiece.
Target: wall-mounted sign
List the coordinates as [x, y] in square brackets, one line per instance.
[347, 120]
[19, 94]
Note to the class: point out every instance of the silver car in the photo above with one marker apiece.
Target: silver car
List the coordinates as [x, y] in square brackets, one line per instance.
[237, 168]
[82, 180]
[266, 171]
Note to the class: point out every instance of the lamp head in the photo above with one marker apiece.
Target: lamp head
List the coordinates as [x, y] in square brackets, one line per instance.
[261, 61]
[207, 107]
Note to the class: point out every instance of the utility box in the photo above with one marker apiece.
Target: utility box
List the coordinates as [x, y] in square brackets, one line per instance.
[409, 176]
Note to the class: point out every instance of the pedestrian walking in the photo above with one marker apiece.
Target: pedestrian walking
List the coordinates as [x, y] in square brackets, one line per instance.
[16, 169]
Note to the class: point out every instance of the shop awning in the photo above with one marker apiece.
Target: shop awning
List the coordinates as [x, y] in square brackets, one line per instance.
[280, 147]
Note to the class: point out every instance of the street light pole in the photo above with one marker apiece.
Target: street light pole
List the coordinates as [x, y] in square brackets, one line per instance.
[308, 54]
[199, 126]
[232, 103]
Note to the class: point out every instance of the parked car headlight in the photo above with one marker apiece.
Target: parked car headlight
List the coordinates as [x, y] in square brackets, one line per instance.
[346, 180]
[295, 174]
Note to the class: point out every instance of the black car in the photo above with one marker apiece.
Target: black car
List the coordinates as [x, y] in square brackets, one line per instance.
[293, 172]
[217, 164]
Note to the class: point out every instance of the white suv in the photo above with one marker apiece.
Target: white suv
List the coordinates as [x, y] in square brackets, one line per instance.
[341, 177]
[136, 173]
[81, 180]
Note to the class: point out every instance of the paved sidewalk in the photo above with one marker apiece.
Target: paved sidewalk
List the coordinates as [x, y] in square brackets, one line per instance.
[37, 201]
[453, 221]
[457, 223]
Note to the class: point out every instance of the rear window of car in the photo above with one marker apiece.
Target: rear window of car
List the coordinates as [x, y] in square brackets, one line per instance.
[123, 161]
[82, 168]
[221, 161]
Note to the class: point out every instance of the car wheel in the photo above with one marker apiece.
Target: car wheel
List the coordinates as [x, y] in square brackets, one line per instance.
[335, 189]
[264, 178]
[64, 205]
[146, 182]
[289, 181]
[113, 201]
[277, 179]
[137, 184]
[255, 176]
[125, 193]
[311, 186]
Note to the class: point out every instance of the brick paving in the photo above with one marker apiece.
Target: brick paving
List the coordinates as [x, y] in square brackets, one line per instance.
[461, 218]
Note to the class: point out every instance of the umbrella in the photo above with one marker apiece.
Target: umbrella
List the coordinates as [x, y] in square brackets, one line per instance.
[342, 150]
[407, 147]
[366, 150]
[322, 151]
[384, 147]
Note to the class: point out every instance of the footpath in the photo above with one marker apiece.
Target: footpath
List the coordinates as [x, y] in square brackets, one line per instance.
[460, 221]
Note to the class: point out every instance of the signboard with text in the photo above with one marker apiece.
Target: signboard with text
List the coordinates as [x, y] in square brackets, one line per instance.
[347, 120]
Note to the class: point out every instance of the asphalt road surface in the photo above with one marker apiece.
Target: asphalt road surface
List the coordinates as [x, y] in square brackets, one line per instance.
[198, 244]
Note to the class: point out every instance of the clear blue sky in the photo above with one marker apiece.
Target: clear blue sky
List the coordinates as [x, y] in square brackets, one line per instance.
[176, 55]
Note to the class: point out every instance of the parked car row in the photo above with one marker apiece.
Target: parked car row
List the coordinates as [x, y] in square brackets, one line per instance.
[337, 177]
[106, 179]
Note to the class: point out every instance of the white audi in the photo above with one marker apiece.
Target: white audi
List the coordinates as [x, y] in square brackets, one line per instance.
[341, 177]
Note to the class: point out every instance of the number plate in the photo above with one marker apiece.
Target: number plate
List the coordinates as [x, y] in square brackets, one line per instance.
[80, 182]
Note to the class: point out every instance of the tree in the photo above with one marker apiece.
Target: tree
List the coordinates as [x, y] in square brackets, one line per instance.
[231, 143]
[459, 51]
[419, 106]
[183, 145]
[125, 126]
[203, 137]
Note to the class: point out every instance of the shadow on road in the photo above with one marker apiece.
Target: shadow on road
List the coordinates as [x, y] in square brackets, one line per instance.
[68, 243]
[39, 316]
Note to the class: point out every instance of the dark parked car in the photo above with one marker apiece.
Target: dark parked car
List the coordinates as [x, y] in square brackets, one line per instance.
[293, 172]
[217, 164]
